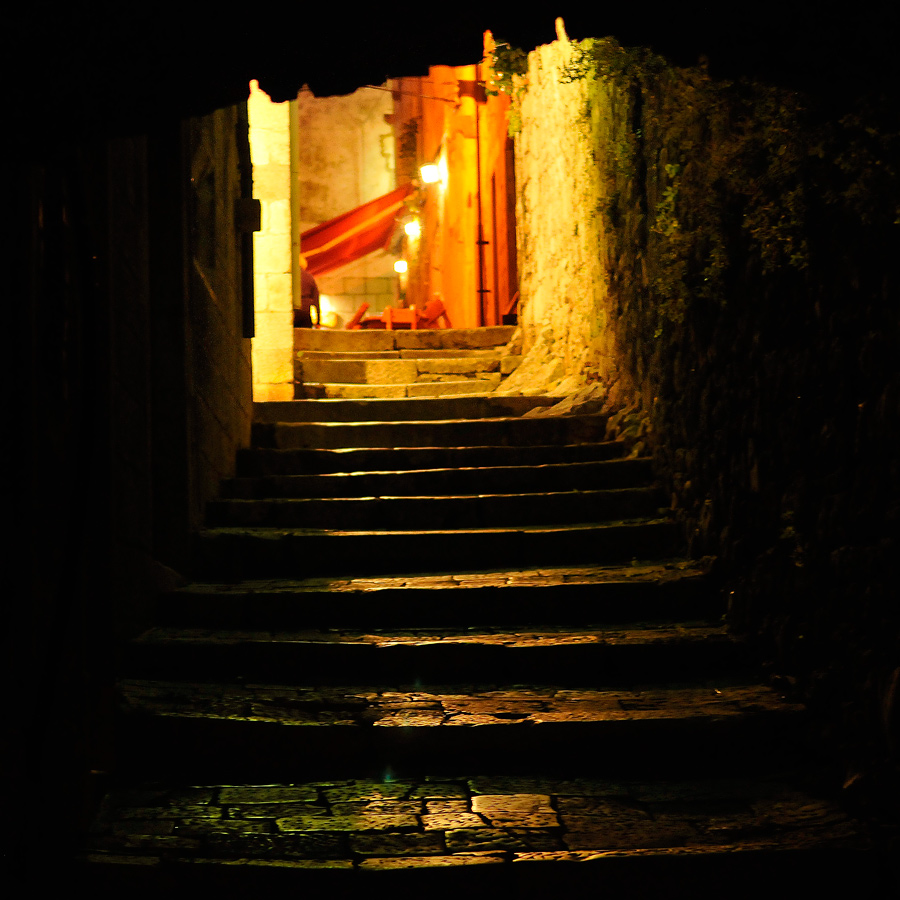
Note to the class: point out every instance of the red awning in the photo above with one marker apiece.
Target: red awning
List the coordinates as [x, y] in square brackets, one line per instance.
[353, 234]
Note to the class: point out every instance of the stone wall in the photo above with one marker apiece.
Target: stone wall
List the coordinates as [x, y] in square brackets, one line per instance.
[220, 408]
[131, 396]
[712, 259]
[564, 305]
[273, 341]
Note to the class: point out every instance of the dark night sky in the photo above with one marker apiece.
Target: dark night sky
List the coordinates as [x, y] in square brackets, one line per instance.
[104, 61]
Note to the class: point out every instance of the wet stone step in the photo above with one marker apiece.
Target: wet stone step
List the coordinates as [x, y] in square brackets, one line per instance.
[433, 433]
[274, 731]
[658, 591]
[574, 657]
[584, 476]
[258, 462]
[403, 513]
[241, 553]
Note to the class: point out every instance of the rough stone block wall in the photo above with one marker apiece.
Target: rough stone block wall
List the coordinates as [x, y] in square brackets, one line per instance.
[562, 282]
[221, 405]
[565, 306]
[717, 257]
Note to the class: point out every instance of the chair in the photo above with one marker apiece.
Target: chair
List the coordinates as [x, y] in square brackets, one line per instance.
[354, 323]
[432, 314]
[407, 315]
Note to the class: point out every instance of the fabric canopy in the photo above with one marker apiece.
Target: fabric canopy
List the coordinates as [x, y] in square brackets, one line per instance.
[353, 234]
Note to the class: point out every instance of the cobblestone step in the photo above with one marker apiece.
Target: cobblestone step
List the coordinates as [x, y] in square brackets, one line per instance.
[513, 432]
[241, 553]
[662, 592]
[265, 461]
[272, 732]
[584, 476]
[601, 655]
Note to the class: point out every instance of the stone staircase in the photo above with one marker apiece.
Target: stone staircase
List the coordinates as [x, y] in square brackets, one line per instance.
[440, 645]
[401, 363]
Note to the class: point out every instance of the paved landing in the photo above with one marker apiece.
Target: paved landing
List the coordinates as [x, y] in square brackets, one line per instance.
[511, 828]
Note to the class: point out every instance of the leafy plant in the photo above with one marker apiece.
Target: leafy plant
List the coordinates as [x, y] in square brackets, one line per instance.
[508, 74]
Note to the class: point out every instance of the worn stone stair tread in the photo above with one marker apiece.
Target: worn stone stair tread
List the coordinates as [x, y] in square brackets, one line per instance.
[439, 511]
[251, 552]
[375, 409]
[415, 353]
[510, 432]
[644, 633]
[316, 390]
[402, 338]
[583, 475]
[655, 573]
[451, 706]
[262, 461]
[661, 591]
[522, 537]
[448, 422]
[639, 653]
[202, 749]
[274, 729]
[634, 525]
[404, 369]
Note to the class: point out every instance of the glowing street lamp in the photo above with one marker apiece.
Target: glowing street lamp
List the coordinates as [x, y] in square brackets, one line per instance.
[430, 173]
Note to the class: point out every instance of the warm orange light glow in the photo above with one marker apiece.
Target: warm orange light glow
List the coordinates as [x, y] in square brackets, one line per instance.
[413, 228]
[430, 173]
[400, 266]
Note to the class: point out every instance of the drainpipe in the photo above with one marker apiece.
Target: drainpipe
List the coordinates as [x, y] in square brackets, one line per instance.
[296, 277]
[478, 96]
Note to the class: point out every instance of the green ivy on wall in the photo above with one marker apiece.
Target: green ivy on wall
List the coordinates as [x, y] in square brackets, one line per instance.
[508, 75]
[723, 175]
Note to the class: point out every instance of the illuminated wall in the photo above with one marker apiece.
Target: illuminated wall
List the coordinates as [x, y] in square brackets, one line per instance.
[345, 157]
[563, 278]
[445, 118]
[270, 148]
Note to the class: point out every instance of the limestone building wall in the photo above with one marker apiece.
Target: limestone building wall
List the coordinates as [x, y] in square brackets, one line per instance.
[563, 279]
[273, 342]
